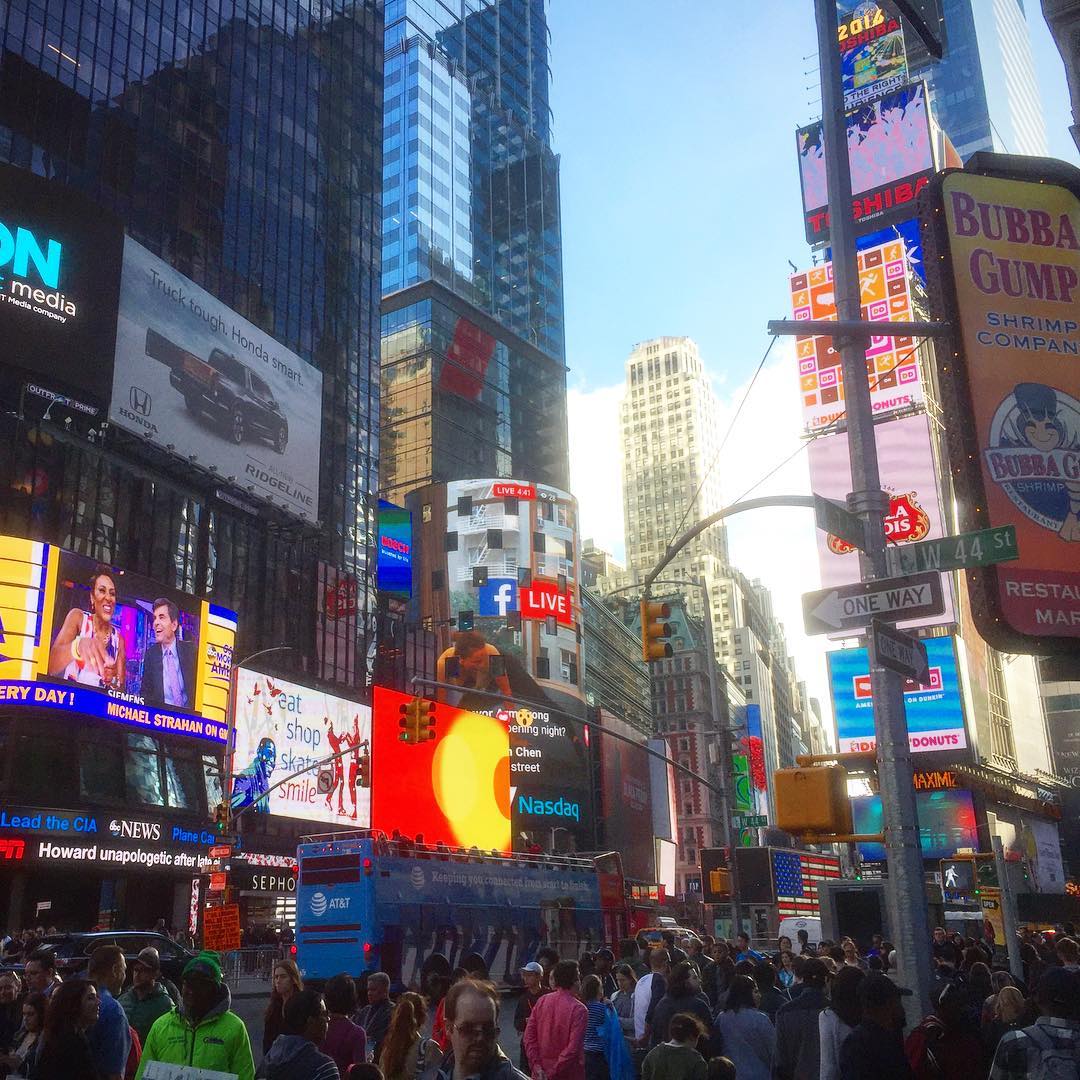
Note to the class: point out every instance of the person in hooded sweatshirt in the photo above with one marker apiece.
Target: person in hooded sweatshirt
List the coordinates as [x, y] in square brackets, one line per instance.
[202, 1032]
[295, 1054]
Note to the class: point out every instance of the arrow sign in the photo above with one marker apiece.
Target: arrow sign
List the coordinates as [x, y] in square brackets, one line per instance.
[850, 607]
[901, 652]
[835, 518]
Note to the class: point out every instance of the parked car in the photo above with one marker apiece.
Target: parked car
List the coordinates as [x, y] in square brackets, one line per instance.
[226, 390]
[651, 936]
[73, 951]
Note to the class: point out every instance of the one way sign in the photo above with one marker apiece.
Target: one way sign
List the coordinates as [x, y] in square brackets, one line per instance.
[851, 607]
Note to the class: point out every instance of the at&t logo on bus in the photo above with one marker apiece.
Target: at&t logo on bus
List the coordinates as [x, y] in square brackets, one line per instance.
[320, 904]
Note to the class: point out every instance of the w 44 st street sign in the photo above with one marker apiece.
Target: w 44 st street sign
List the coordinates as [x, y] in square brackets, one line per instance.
[982, 548]
[851, 607]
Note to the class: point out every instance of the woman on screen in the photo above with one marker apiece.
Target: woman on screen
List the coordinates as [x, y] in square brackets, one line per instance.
[89, 649]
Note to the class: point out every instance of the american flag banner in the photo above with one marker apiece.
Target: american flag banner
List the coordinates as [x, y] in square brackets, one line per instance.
[796, 874]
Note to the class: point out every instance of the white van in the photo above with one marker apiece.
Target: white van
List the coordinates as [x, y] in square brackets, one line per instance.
[790, 927]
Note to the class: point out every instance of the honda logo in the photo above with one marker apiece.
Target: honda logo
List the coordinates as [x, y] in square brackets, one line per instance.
[140, 400]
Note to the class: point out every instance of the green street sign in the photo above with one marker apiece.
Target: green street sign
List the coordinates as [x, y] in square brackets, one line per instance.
[749, 821]
[836, 519]
[982, 548]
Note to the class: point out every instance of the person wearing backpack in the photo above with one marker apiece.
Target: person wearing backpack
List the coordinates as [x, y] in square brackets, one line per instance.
[1050, 1048]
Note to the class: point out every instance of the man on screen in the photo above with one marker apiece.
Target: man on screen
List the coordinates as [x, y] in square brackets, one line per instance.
[168, 675]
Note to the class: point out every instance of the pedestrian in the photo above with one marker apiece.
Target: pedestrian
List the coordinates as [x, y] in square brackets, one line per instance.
[1068, 953]
[836, 1022]
[592, 994]
[285, 980]
[147, 998]
[604, 962]
[746, 1034]
[675, 953]
[64, 1051]
[1051, 1046]
[651, 987]
[110, 1037]
[202, 1031]
[295, 1054]
[875, 1048]
[22, 1057]
[623, 1001]
[798, 1047]
[40, 972]
[10, 1008]
[374, 1017]
[743, 950]
[786, 974]
[803, 938]
[698, 952]
[532, 989]
[678, 1057]
[345, 1041]
[1009, 1013]
[405, 1053]
[683, 995]
[770, 996]
[555, 1033]
[849, 955]
[547, 958]
[472, 1017]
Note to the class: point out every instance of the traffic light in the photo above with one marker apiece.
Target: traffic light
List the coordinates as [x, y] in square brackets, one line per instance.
[417, 721]
[813, 800]
[221, 817]
[720, 882]
[363, 771]
[654, 630]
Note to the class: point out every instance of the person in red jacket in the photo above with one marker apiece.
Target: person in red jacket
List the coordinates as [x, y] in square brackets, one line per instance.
[555, 1033]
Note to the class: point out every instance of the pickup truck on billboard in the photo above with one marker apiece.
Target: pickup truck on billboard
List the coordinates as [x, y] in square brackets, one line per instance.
[225, 389]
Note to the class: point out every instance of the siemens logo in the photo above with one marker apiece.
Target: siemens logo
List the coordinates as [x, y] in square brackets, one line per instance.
[549, 808]
[23, 248]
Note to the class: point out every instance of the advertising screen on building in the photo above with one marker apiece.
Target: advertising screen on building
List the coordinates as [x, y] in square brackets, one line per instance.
[453, 789]
[395, 551]
[935, 713]
[85, 638]
[946, 823]
[891, 364]
[282, 727]
[627, 799]
[1008, 273]
[873, 59]
[194, 377]
[59, 283]
[892, 159]
[908, 473]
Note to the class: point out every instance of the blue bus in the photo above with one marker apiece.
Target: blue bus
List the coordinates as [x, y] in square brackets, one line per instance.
[365, 903]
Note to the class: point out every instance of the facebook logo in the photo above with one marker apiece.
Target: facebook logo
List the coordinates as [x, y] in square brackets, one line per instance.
[498, 596]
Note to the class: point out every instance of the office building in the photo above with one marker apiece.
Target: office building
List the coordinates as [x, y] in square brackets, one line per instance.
[985, 93]
[1063, 16]
[237, 145]
[474, 381]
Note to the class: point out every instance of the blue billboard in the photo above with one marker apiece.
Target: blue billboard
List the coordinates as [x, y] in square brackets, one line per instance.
[394, 566]
[498, 597]
[935, 712]
[946, 823]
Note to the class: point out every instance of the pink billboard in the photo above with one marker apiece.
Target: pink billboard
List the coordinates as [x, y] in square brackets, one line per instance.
[906, 461]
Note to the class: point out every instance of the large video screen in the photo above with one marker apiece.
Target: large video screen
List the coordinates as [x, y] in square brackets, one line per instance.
[626, 789]
[194, 377]
[454, 789]
[59, 282]
[95, 639]
[282, 727]
[394, 563]
[946, 823]
[935, 712]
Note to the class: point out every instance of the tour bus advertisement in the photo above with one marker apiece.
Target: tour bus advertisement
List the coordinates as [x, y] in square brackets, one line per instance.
[283, 727]
[89, 638]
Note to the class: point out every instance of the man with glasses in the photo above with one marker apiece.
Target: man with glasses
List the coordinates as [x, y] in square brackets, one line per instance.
[472, 1019]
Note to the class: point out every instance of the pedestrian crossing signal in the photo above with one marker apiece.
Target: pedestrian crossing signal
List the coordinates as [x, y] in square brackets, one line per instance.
[417, 721]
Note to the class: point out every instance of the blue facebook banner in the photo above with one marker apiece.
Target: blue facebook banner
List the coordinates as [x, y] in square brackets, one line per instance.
[498, 597]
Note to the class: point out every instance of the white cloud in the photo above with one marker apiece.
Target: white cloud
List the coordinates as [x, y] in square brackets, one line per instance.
[776, 545]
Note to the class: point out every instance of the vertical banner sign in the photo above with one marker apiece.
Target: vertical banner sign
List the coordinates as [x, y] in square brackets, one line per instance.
[1008, 277]
[395, 551]
[873, 59]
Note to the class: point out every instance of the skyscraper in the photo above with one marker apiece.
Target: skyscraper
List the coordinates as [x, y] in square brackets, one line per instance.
[473, 372]
[985, 93]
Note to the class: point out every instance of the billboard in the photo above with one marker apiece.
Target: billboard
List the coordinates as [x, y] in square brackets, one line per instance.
[1007, 274]
[338, 624]
[873, 59]
[908, 474]
[892, 159]
[394, 563]
[86, 638]
[625, 786]
[946, 823]
[891, 364]
[60, 259]
[282, 727]
[935, 713]
[454, 788]
[197, 379]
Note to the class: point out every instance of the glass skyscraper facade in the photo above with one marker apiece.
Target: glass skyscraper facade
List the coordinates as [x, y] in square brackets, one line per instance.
[473, 369]
[985, 93]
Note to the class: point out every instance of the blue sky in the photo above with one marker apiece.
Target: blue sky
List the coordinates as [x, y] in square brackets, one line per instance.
[681, 208]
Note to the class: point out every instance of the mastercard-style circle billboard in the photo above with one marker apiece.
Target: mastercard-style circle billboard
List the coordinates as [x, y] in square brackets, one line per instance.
[1006, 236]
[454, 788]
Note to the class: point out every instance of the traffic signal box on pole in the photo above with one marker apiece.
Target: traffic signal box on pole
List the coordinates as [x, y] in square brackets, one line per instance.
[654, 631]
[417, 721]
[812, 800]
[363, 772]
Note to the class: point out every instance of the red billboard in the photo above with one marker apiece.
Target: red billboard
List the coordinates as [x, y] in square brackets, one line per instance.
[454, 788]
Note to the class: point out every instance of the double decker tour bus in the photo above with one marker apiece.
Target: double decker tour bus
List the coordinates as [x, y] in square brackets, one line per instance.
[366, 903]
